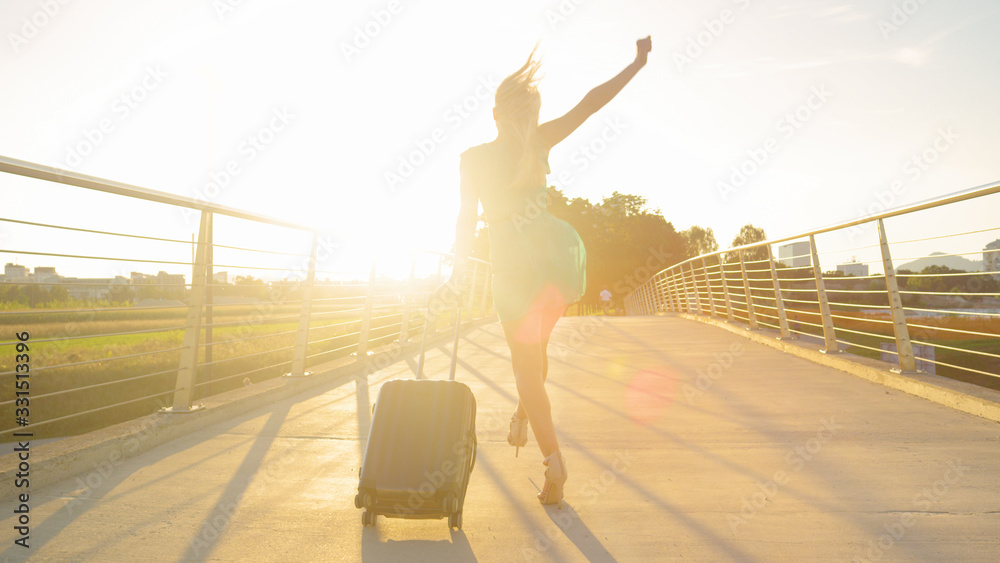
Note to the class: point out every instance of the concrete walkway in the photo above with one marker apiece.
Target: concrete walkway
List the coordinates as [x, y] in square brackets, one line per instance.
[683, 441]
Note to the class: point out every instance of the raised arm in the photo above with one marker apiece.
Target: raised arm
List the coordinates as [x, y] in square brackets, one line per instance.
[552, 132]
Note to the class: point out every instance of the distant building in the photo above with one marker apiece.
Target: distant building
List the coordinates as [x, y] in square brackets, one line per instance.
[221, 278]
[92, 288]
[96, 288]
[46, 274]
[795, 255]
[174, 281]
[162, 278]
[13, 273]
[856, 269]
[991, 258]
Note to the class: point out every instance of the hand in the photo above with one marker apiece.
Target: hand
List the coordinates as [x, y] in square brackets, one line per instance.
[642, 48]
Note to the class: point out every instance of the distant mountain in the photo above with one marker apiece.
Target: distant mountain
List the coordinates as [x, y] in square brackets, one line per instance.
[939, 259]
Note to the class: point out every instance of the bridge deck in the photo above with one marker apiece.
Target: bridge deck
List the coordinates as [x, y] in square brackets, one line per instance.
[766, 457]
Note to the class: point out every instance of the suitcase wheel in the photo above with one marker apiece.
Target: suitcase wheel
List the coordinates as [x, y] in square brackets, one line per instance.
[368, 518]
[450, 503]
[357, 501]
[455, 521]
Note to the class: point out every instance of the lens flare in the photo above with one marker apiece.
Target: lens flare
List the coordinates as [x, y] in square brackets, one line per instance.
[544, 311]
[649, 394]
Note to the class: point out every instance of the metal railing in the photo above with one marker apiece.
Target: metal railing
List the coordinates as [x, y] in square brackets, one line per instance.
[103, 350]
[938, 320]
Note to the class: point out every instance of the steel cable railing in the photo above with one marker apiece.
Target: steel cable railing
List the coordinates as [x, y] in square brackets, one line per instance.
[939, 320]
[120, 346]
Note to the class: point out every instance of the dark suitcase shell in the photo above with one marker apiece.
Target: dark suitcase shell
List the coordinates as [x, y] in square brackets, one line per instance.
[420, 453]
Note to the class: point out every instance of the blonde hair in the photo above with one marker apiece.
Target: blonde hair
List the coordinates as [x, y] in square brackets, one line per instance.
[517, 105]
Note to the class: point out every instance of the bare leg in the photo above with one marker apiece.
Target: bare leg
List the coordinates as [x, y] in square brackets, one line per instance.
[548, 323]
[530, 363]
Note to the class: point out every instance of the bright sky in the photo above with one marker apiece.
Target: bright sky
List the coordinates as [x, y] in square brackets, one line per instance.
[352, 115]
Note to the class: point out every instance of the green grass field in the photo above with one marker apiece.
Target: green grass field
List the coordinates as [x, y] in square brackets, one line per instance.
[89, 360]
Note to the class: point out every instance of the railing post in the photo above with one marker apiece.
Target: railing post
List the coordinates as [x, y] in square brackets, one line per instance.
[676, 297]
[708, 284]
[473, 278]
[651, 293]
[664, 288]
[751, 313]
[302, 336]
[779, 303]
[697, 289]
[668, 291]
[404, 326]
[653, 303]
[188, 368]
[366, 320]
[684, 285]
[657, 295]
[725, 290]
[487, 280]
[209, 300]
[824, 304]
[654, 300]
[904, 349]
[428, 325]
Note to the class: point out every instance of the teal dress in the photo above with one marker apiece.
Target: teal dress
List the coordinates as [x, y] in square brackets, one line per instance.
[539, 261]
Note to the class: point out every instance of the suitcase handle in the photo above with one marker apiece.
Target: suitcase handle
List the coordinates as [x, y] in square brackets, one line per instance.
[427, 324]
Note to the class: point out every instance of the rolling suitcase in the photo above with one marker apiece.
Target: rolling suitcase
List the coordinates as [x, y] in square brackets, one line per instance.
[421, 448]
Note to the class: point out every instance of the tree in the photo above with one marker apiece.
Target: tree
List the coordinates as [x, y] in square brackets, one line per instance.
[699, 241]
[619, 206]
[749, 235]
[248, 286]
[626, 243]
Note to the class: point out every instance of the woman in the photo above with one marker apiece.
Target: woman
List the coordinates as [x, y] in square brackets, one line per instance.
[538, 260]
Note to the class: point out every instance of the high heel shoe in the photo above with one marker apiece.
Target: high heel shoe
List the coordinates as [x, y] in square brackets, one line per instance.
[518, 435]
[555, 478]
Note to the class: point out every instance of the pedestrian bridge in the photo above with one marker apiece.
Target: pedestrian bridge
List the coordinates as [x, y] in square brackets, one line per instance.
[747, 408]
[684, 440]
